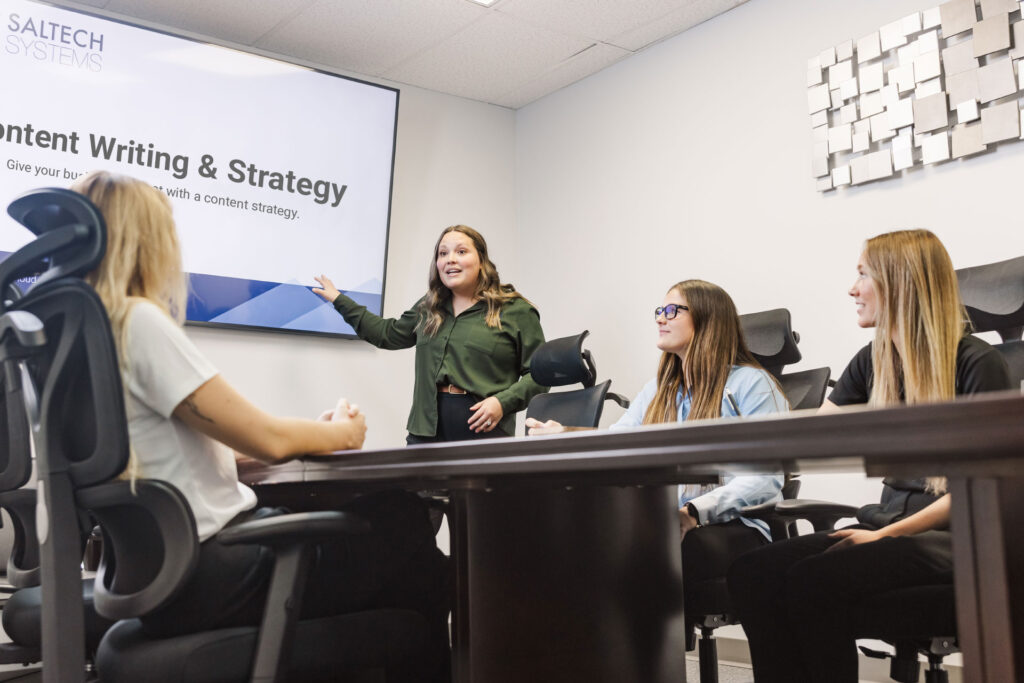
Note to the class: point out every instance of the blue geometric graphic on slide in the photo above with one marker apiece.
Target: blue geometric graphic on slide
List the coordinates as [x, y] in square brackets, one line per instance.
[260, 303]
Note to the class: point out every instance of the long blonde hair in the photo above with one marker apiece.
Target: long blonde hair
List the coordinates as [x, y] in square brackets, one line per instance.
[717, 345]
[142, 261]
[488, 286]
[143, 258]
[919, 323]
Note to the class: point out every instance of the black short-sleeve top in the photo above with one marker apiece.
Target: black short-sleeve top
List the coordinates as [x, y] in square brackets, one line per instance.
[979, 368]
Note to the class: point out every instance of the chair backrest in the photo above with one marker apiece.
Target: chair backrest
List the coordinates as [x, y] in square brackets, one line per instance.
[806, 389]
[561, 362]
[1013, 352]
[770, 337]
[579, 408]
[81, 435]
[772, 341]
[77, 372]
[994, 297]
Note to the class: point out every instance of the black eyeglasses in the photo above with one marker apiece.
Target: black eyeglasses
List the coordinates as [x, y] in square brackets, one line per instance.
[670, 311]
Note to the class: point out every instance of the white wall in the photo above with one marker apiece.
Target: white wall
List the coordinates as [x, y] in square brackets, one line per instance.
[692, 159]
[453, 165]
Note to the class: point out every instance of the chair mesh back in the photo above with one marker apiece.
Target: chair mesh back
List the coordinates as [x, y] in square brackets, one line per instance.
[15, 449]
[770, 337]
[81, 401]
[994, 296]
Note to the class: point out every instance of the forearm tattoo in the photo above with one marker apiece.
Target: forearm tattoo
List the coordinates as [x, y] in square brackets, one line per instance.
[190, 403]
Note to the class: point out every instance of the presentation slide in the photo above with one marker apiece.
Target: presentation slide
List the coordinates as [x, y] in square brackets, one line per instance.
[276, 172]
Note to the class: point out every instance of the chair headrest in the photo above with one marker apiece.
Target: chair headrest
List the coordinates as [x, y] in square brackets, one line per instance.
[770, 337]
[563, 361]
[994, 296]
[71, 237]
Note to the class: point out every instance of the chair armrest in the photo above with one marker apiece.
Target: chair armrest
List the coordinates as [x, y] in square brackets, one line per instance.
[291, 537]
[763, 511]
[618, 398]
[822, 515]
[293, 529]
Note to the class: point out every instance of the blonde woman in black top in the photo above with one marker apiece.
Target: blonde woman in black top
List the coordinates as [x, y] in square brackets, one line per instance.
[794, 597]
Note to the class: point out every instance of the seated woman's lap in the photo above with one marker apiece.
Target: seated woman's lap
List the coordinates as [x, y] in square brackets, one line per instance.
[397, 564]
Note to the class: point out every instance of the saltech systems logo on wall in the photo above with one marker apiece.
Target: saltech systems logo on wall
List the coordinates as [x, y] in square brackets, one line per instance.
[49, 41]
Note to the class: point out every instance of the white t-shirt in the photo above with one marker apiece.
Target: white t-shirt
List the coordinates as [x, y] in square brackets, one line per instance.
[164, 368]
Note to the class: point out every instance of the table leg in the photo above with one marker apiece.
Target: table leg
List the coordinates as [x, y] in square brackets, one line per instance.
[989, 575]
[567, 585]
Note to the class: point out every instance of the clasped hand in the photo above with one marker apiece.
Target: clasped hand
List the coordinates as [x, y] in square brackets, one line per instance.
[343, 411]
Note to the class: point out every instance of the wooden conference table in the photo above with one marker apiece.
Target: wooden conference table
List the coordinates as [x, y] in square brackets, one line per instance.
[566, 548]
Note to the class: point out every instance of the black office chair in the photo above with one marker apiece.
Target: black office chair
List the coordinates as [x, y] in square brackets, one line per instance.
[66, 250]
[921, 620]
[562, 362]
[82, 445]
[707, 604]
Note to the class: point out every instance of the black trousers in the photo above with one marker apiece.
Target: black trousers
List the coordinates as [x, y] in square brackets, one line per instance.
[794, 600]
[396, 565]
[453, 421]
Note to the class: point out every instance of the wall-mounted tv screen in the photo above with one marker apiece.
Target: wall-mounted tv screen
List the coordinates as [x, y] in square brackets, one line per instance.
[277, 172]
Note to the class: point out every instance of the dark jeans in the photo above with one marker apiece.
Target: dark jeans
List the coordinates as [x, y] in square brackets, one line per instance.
[794, 600]
[453, 421]
[396, 565]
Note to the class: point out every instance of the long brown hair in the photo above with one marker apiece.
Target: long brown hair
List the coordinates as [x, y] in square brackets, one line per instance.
[488, 287]
[919, 323]
[717, 345]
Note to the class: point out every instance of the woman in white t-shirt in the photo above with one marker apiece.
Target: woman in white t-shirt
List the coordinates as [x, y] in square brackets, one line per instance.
[185, 423]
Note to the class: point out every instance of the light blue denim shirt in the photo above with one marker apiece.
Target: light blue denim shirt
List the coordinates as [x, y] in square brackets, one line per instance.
[755, 393]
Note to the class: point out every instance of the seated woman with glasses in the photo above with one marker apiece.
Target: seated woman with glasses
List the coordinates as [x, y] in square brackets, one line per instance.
[795, 597]
[706, 372]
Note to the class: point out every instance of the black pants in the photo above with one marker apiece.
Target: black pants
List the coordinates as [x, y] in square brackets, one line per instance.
[396, 565]
[453, 421]
[709, 551]
[794, 600]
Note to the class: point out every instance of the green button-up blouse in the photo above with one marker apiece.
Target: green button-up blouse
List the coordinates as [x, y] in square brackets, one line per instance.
[485, 361]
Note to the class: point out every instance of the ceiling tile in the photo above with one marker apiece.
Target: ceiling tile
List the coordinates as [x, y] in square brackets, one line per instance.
[510, 54]
[497, 54]
[595, 19]
[679, 20]
[370, 36]
[576, 68]
[237, 21]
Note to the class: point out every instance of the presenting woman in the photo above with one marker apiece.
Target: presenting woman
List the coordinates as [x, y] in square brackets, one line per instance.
[473, 336]
[185, 423]
[706, 372]
[795, 597]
